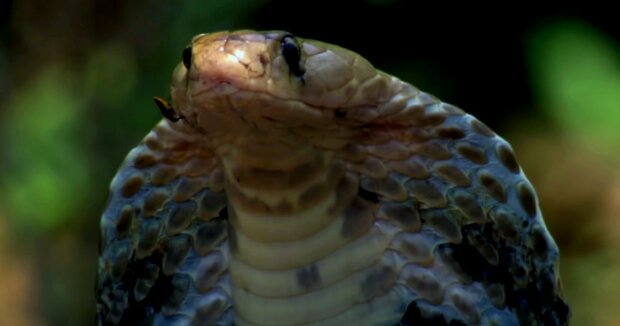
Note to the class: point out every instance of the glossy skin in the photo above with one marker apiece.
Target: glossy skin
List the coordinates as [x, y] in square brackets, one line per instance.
[300, 185]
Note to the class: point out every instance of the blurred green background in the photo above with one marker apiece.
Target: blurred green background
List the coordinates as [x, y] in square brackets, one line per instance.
[77, 78]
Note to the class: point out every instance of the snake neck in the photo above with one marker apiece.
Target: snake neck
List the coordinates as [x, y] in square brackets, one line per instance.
[302, 242]
[281, 196]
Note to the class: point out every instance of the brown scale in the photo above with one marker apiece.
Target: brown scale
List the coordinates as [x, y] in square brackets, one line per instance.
[207, 235]
[472, 153]
[467, 203]
[507, 157]
[483, 247]
[450, 132]
[120, 260]
[187, 188]
[540, 243]
[492, 185]
[132, 185]
[180, 217]
[413, 167]
[163, 174]
[446, 255]
[378, 281]
[424, 282]
[209, 271]
[426, 193]
[153, 142]
[392, 150]
[176, 249]
[387, 187]
[429, 119]
[125, 220]
[464, 302]
[154, 201]
[146, 281]
[411, 135]
[505, 226]
[404, 214]
[396, 105]
[452, 174]
[207, 314]
[526, 198]
[415, 246]
[415, 112]
[371, 166]
[210, 205]
[145, 160]
[445, 222]
[197, 167]
[433, 150]
[180, 286]
[148, 237]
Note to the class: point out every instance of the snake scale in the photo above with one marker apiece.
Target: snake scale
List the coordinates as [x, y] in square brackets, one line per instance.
[292, 183]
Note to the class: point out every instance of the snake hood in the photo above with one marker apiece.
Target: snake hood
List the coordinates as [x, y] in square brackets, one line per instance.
[292, 183]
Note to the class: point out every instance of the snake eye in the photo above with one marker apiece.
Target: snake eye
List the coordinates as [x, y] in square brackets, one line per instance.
[291, 54]
[187, 57]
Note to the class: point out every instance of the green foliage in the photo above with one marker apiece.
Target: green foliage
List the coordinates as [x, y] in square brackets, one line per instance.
[110, 74]
[592, 283]
[45, 152]
[576, 75]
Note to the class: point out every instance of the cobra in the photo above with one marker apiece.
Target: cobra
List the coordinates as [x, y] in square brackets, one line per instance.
[292, 183]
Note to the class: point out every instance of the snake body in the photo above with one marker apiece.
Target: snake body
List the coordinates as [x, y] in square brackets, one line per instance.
[292, 183]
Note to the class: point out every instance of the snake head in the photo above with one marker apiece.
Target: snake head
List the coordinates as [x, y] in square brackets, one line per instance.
[248, 80]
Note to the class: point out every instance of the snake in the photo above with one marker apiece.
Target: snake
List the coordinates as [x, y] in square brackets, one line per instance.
[290, 182]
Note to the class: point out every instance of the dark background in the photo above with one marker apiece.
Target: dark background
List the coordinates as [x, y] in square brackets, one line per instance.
[77, 78]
